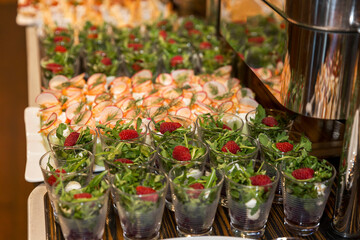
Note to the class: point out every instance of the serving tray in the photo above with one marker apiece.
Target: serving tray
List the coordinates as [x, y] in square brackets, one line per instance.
[42, 226]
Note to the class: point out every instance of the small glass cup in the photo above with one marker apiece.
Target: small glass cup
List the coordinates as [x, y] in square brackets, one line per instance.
[157, 137]
[53, 168]
[220, 159]
[232, 121]
[105, 131]
[167, 163]
[81, 217]
[195, 209]
[57, 144]
[303, 214]
[140, 214]
[284, 119]
[275, 156]
[249, 206]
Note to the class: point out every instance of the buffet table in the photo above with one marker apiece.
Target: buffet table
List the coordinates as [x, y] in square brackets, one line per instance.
[41, 223]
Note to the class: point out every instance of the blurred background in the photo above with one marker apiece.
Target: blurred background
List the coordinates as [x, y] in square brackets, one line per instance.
[14, 191]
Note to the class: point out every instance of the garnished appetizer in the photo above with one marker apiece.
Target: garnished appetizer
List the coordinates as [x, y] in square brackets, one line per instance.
[82, 208]
[230, 147]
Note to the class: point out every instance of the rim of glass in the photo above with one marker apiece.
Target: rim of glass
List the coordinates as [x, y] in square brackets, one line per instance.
[151, 158]
[192, 189]
[307, 181]
[273, 183]
[141, 135]
[95, 130]
[257, 148]
[171, 116]
[50, 153]
[253, 112]
[176, 161]
[153, 170]
[217, 114]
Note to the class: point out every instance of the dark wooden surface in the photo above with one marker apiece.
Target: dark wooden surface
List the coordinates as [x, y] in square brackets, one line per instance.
[275, 226]
[14, 191]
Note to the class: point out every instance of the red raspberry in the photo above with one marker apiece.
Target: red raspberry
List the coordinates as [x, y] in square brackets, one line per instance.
[303, 173]
[52, 179]
[92, 36]
[124, 160]
[232, 147]
[163, 34]
[171, 41]
[189, 25]
[54, 67]
[82, 195]
[205, 45]
[193, 32]
[60, 49]
[269, 121]
[169, 127]
[58, 39]
[128, 134]
[260, 180]
[136, 67]
[219, 58]
[59, 30]
[226, 127]
[181, 153]
[135, 46]
[284, 146]
[106, 61]
[71, 139]
[176, 60]
[193, 193]
[141, 190]
[197, 186]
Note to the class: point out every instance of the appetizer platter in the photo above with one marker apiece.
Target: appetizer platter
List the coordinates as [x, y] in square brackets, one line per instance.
[146, 102]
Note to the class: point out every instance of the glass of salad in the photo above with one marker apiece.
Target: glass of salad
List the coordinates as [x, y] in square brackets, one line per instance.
[169, 127]
[267, 121]
[210, 124]
[251, 185]
[283, 145]
[127, 153]
[306, 187]
[81, 205]
[122, 130]
[140, 199]
[195, 191]
[67, 135]
[179, 150]
[78, 160]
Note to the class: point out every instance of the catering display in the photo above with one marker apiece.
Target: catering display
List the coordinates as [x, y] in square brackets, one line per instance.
[152, 98]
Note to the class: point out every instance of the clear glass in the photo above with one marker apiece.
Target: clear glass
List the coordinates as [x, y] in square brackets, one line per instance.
[166, 164]
[57, 145]
[140, 215]
[53, 168]
[249, 206]
[109, 141]
[81, 219]
[275, 157]
[220, 159]
[254, 130]
[157, 137]
[302, 215]
[195, 209]
[231, 120]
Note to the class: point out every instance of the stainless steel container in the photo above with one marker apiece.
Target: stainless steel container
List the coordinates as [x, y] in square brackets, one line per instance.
[321, 80]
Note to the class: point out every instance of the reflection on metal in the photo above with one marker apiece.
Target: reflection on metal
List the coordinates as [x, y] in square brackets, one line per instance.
[318, 75]
[320, 79]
